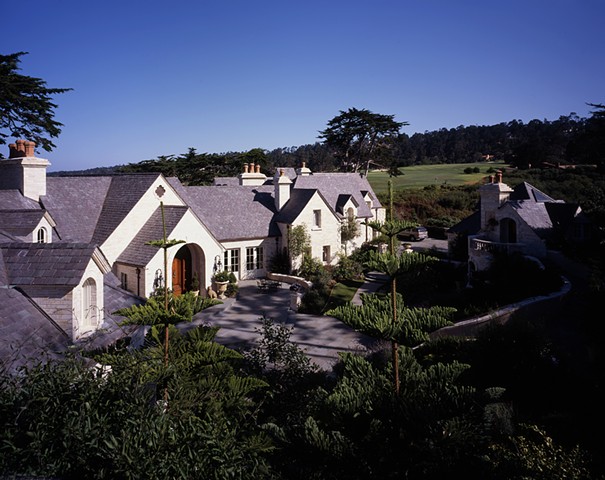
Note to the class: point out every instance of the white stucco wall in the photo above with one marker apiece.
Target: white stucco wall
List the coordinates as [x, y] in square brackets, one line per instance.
[44, 223]
[79, 327]
[269, 246]
[198, 239]
[137, 217]
[327, 234]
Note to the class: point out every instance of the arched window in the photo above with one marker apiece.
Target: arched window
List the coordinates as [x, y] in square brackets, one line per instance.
[42, 235]
[89, 304]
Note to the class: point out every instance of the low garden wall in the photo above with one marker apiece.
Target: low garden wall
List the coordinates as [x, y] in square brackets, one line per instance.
[528, 307]
[291, 279]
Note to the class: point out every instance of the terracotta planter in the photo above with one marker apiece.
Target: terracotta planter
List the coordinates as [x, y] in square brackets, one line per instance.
[221, 288]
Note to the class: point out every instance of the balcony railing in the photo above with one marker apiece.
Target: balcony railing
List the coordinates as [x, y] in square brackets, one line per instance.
[480, 245]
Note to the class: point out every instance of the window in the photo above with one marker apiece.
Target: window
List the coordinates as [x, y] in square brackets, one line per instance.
[42, 235]
[231, 260]
[124, 280]
[350, 213]
[89, 304]
[254, 258]
[326, 253]
[316, 218]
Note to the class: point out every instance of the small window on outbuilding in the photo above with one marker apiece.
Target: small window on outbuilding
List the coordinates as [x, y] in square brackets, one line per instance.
[41, 236]
[326, 253]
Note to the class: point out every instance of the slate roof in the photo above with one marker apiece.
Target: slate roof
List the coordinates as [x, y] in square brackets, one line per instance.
[299, 198]
[14, 200]
[332, 185]
[124, 192]
[75, 203]
[526, 191]
[232, 212]
[27, 334]
[535, 215]
[49, 264]
[20, 222]
[137, 253]
[467, 226]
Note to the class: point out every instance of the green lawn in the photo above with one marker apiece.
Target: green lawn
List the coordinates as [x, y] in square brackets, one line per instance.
[342, 293]
[419, 176]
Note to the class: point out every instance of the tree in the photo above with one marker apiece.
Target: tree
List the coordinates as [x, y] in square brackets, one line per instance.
[359, 137]
[299, 242]
[26, 107]
[349, 229]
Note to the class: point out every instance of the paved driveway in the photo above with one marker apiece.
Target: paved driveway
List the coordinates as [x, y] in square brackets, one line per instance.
[321, 337]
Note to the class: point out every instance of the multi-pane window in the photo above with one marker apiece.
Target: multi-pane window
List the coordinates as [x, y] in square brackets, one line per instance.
[254, 258]
[41, 235]
[316, 218]
[231, 260]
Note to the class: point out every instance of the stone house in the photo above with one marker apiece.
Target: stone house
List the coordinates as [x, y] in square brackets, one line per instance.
[522, 219]
[74, 249]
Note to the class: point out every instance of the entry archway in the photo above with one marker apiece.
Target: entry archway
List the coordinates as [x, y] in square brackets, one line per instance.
[188, 260]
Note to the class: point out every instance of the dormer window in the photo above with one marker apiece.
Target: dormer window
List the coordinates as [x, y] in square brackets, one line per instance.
[41, 236]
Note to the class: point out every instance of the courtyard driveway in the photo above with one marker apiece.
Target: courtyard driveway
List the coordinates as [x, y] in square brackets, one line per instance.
[321, 337]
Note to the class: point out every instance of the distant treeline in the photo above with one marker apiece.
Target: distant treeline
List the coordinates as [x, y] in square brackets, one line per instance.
[567, 140]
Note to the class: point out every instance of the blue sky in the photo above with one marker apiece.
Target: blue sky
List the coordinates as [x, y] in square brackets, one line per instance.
[154, 78]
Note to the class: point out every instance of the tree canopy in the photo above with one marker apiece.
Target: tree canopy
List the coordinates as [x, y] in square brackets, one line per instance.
[26, 107]
[359, 137]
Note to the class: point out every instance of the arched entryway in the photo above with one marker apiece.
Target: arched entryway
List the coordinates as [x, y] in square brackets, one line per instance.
[188, 261]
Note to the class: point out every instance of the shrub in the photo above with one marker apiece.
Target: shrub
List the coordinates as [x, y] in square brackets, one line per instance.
[347, 269]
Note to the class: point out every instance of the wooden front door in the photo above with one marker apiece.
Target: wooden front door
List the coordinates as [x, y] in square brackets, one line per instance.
[179, 271]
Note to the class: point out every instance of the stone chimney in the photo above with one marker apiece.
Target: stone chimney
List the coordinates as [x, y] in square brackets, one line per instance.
[252, 176]
[493, 195]
[24, 171]
[282, 190]
[303, 171]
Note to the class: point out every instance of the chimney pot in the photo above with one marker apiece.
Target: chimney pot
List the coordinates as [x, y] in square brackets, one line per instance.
[258, 168]
[30, 149]
[245, 168]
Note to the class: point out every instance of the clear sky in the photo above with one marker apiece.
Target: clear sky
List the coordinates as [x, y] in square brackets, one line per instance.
[154, 77]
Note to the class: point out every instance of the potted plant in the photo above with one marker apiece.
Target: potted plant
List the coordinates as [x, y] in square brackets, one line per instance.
[222, 280]
[195, 284]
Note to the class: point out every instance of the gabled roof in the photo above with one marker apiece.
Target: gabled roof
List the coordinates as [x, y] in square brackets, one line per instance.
[525, 191]
[137, 252]
[232, 212]
[332, 185]
[124, 192]
[20, 222]
[299, 198]
[467, 226]
[46, 264]
[75, 203]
